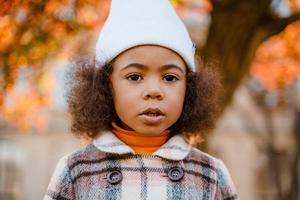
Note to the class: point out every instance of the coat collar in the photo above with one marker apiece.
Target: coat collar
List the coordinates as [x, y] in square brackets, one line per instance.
[176, 148]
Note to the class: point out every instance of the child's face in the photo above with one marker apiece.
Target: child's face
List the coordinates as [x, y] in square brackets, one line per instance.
[149, 84]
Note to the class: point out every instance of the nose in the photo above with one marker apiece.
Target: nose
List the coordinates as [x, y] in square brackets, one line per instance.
[153, 92]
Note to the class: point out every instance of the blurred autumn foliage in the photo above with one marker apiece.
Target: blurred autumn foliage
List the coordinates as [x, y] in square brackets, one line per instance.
[277, 61]
[33, 31]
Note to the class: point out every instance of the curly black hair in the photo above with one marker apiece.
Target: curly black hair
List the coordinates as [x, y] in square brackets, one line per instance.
[90, 102]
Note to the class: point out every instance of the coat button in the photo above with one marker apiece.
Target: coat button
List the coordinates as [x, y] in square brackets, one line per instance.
[175, 173]
[114, 177]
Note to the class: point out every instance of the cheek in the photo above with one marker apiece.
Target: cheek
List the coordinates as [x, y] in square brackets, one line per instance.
[176, 100]
[123, 99]
[181, 93]
[116, 94]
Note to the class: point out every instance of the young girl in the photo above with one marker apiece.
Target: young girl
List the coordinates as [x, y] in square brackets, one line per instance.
[137, 101]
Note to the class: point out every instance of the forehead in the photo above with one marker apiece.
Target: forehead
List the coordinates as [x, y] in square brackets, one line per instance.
[149, 55]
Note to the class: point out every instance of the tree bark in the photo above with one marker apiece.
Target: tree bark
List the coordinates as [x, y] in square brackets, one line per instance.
[237, 29]
[294, 193]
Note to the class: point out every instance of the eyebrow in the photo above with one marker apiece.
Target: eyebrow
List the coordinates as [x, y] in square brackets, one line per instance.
[144, 67]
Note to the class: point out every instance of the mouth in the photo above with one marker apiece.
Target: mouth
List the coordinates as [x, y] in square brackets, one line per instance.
[152, 112]
[152, 116]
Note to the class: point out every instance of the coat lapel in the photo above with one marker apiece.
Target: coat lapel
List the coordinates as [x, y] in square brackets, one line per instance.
[176, 148]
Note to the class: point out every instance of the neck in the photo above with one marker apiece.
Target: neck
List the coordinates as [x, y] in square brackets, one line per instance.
[140, 143]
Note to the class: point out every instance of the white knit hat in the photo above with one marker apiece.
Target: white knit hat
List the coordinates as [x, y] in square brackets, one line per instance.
[140, 22]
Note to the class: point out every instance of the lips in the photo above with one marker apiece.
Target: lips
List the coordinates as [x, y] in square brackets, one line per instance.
[152, 116]
[152, 112]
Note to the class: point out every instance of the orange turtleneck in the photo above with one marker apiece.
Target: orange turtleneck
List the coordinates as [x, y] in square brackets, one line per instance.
[141, 144]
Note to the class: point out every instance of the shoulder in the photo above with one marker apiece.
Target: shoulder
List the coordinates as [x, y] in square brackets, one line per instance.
[205, 159]
[217, 171]
[86, 154]
[71, 164]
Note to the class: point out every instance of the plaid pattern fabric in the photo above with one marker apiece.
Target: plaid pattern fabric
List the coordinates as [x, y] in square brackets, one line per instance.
[83, 174]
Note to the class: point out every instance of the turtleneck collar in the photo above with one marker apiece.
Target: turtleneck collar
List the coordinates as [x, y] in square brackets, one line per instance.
[140, 143]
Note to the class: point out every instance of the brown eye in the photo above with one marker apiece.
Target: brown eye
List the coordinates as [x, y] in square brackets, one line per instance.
[134, 77]
[170, 78]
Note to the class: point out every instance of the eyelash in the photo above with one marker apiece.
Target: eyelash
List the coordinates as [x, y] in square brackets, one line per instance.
[139, 77]
[171, 76]
[129, 77]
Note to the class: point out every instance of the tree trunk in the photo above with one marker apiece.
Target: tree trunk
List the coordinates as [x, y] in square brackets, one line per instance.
[237, 28]
[294, 193]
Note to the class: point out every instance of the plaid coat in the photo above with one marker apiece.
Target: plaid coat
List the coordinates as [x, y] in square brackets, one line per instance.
[109, 169]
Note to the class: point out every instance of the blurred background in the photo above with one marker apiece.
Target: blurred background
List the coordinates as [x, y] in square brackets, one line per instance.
[255, 45]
